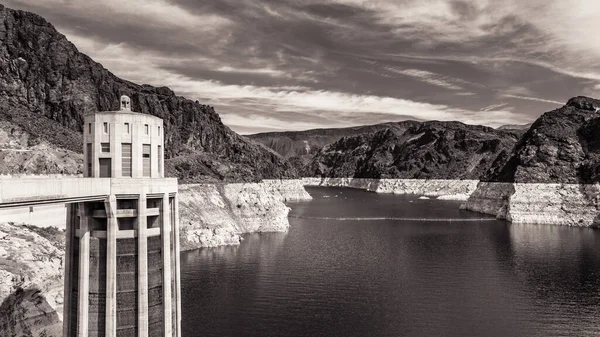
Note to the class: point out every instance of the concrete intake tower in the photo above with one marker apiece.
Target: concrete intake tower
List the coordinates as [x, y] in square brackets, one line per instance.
[122, 273]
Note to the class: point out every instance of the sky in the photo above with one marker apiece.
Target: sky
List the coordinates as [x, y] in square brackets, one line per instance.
[276, 65]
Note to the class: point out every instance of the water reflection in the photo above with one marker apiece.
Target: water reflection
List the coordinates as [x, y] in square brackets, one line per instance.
[359, 278]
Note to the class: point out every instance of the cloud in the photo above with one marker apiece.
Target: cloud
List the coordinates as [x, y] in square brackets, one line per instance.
[301, 63]
[255, 123]
[340, 106]
[493, 107]
[427, 77]
[534, 99]
[153, 12]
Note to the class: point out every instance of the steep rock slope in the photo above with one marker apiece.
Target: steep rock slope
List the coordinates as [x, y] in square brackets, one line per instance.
[214, 215]
[31, 283]
[428, 150]
[22, 153]
[553, 174]
[47, 85]
[300, 143]
[300, 147]
[562, 146]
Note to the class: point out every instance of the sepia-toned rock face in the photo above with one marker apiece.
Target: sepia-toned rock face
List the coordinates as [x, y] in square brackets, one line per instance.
[562, 146]
[216, 215]
[552, 176]
[23, 153]
[428, 150]
[31, 281]
[447, 189]
[47, 85]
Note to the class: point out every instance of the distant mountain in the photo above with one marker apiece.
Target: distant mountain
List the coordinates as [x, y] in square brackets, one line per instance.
[47, 85]
[561, 146]
[428, 150]
[299, 143]
[299, 147]
[406, 149]
[515, 126]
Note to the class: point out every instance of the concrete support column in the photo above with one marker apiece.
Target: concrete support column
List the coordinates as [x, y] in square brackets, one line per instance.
[68, 276]
[176, 251]
[142, 231]
[112, 227]
[165, 234]
[84, 273]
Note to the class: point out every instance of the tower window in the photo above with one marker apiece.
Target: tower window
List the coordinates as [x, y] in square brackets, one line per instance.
[159, 131]
[126, 159]
[146, 128]
[146, 164]
[88, 150]
[126, 127]
[105, 125]
[160, 159]
[105, 147]
[89, 127]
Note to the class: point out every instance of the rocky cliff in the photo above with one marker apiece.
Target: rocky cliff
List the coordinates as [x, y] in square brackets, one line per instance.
[428, 150]
[31, 281]
[46, 85]
[214, 215]
[552, 175]
[24, 153]
[561, 146]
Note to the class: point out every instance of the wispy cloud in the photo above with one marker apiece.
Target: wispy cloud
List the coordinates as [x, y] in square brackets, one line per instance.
[493, 107]
[290, 64]
[427, 77]
[534, 99]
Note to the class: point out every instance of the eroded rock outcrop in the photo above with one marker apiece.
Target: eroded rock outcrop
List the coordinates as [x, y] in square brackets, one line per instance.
[214, 215]
[448, 189]
[552, 176]
[428, 150]
[31, 281]
[23, 153]
[286, 190]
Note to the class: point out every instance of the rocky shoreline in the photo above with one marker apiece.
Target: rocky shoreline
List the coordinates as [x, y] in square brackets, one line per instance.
[214, 215]
[532, 203]
[536, 203]
[447, 189]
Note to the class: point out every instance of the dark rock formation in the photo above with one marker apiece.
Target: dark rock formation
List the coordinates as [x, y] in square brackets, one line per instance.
[292, 144]
[47, 85]
[562, 146]
[25, 312]
[429, 150]
[299, 147]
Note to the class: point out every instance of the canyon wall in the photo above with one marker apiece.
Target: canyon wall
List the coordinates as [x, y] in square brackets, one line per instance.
[449, 189]
[214, 215]
[552, 174]
[538, 203]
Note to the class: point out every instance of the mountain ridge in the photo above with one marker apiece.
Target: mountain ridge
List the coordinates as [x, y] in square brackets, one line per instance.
[45, 80]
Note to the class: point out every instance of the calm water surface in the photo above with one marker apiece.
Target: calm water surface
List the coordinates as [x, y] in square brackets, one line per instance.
[330, 277]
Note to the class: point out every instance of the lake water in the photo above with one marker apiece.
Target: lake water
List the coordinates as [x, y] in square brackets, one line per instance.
[328, 277]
